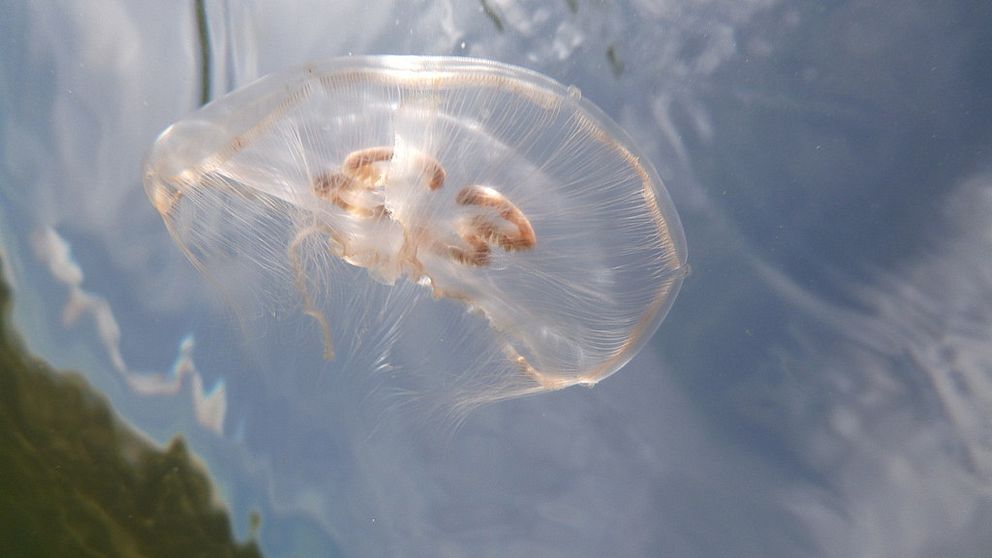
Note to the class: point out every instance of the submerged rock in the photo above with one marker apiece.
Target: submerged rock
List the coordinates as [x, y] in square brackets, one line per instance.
[76, 481]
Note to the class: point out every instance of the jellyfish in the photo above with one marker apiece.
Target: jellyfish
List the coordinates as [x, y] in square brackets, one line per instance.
[475, 229]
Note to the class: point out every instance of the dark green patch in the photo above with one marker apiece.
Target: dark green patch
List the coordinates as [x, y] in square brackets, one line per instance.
[573, 6]
[492, 15]
[205, 63]
[74, 481]
[616, 65]
[255, 523]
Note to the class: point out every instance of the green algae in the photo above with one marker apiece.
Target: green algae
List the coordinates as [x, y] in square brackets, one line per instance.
[75, 481]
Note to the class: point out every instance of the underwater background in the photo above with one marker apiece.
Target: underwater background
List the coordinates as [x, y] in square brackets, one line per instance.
[822, 386]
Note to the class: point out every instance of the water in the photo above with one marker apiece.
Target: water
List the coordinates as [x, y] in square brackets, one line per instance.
[821, 387]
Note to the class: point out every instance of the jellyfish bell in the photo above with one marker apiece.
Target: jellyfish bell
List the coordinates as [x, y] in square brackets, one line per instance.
[476, 230]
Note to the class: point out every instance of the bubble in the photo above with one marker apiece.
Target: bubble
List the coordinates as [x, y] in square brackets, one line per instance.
[466, 230]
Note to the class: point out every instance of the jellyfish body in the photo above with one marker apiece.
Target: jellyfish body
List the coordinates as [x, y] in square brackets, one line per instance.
[475, 227]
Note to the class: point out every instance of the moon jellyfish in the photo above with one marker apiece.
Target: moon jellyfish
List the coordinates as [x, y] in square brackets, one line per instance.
[475, 230]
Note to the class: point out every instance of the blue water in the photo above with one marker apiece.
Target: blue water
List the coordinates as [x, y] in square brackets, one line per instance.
[822, 386]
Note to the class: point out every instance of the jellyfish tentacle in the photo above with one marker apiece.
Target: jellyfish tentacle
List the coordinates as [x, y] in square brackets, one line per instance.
[545, 381]
[300, 283]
